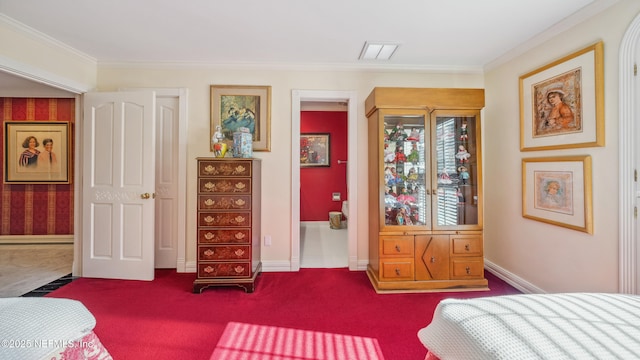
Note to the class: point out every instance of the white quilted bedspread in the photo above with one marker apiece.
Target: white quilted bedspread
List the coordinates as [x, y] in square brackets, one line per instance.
[536, 326]
[30, 328]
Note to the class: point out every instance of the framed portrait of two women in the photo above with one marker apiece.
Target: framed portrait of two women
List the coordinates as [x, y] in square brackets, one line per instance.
[37, 152]
[562, 103]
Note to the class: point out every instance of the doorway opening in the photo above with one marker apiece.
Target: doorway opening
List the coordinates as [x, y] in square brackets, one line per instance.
[298, 98]
[323, 185]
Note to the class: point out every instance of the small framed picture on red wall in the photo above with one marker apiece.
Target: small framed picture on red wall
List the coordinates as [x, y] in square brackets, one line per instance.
[314, 150]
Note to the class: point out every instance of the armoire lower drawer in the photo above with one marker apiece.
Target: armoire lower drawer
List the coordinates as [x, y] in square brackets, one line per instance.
[466, 245]
[467, 268]
[394, 245]
[396, 269]
[224, 269]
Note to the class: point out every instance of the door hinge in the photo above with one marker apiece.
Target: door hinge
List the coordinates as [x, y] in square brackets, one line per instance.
[635, 175]
[635, 212]
[635, 69]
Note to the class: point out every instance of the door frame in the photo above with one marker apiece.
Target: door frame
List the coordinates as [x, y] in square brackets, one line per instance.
[628, 158]
[350, 97]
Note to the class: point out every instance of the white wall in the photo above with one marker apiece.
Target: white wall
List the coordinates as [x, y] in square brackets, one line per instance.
[553, 258]
[276, 198]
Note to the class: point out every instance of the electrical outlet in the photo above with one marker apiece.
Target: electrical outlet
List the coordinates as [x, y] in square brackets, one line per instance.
[267, 240]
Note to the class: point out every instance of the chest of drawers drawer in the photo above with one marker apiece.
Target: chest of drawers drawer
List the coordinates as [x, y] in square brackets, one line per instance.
[240, 218]
[224, 252]
[224, 202]
[223, 269]
[217, 236]
[227, 168]
[224, 186]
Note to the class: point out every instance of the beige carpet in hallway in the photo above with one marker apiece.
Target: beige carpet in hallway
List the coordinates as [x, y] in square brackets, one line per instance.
[27, 267]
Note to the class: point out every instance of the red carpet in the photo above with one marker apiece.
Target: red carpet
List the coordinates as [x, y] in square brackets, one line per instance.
[246, 341]
[163, 319]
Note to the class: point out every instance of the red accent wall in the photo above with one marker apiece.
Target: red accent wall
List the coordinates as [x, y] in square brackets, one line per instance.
[318, 183]
[38, 209]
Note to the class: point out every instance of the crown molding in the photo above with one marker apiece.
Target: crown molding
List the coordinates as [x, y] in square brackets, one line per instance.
[581, 15]
[41, 37]
[295, 67]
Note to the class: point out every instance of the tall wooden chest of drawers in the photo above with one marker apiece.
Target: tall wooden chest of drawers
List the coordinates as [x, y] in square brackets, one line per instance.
[228, 227]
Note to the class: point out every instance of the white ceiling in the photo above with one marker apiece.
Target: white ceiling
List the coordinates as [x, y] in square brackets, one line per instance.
[458, 35]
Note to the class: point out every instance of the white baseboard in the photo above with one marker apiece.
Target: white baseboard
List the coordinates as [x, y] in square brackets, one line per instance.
[512, 279]
[276, 266]
[190, 267]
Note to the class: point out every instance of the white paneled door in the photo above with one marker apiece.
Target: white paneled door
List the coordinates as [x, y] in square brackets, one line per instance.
[167, 172]
[118, 170]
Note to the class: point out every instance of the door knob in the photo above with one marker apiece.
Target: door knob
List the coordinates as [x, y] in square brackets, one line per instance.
[145, 196]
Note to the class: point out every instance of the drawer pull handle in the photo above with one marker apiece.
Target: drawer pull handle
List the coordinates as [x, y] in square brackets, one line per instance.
[398, 248]
[466, 247]
[239, 219]
[209, 252]
[239, 269]
[208, 269]
[240, 169]
[208, 219]
[240, 186]
[433, 259]
[468, 269]
[209, 186]
[209, 202]
[397, 272]
[208, 236]
[240, 202]
[239, 252]
[239, 236]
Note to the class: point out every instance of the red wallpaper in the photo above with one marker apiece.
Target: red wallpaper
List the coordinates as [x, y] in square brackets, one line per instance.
[317, 184]
[38, 209]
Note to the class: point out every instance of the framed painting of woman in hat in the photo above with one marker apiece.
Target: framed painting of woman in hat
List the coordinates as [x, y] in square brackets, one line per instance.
[558, 105]
[562, 103]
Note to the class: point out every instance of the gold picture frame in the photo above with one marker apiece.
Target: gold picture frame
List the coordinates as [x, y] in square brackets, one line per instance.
[558, 191]
[37, 152]
[562, 103]
[235, 106]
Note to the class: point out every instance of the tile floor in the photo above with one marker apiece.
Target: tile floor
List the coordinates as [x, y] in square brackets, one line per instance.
[25, 268]
[323, 247]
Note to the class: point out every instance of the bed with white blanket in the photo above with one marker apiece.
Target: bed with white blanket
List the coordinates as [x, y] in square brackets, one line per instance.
[48, 328]
[535, 326]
